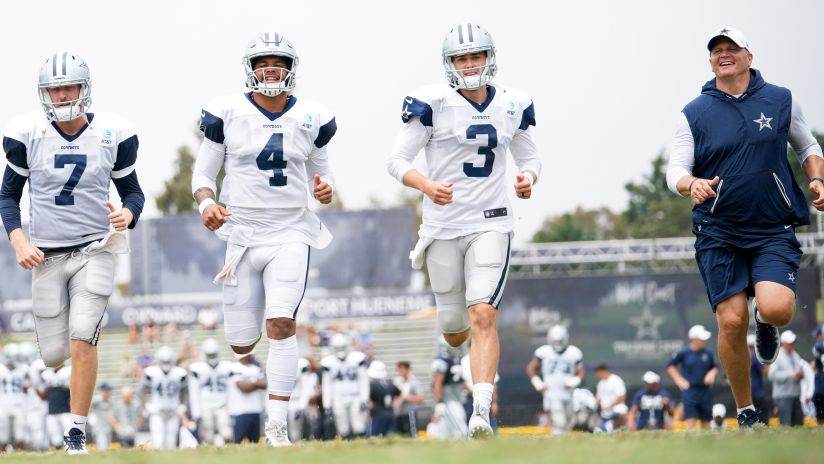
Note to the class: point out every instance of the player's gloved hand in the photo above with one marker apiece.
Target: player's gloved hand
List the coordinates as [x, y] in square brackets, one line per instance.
[28, 256]
[817, 187]
[701, 190]
[119, 218]
[214, 215]
[523, 184]
[439, 192]
[572, 382]
[538, 384]
[322, 190]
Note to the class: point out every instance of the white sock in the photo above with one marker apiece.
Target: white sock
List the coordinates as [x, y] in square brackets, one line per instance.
[482, 395]
[281, 373]
[77, 422]
[277, 410]
[740, 410]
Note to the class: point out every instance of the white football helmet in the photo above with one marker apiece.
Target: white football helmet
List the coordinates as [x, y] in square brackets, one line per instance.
[28, 352]
[62, 69]
[558, 338]
[11, 354]
[211, 351]
[341, 345]
[445, 349]
[165, 358]
[468, 38]
[270, 44]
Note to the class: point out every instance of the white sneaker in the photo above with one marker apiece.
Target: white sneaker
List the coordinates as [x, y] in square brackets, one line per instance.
[75, 442]
[276, 434]
[479, 427]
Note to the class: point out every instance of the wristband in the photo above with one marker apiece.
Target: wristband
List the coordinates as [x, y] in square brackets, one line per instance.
[537, 383]
[205, 204]
[817, 179]
[530, 176]
[689, 188]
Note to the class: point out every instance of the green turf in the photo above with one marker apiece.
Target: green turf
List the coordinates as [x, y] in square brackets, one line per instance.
[767, 446]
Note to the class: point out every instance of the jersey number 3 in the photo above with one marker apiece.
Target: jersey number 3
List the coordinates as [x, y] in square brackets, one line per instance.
[489, 156]
[60, 161]
[271, 159]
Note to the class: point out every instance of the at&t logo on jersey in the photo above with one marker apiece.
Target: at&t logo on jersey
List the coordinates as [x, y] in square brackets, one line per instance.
[308, 122]
[106, 139]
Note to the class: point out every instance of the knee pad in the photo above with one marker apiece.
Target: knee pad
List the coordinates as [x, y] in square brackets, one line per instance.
[54, 352]
[285, 279]
[487, 262]
[453, 318]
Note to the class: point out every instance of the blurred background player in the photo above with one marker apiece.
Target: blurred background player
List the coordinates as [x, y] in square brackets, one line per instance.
[818, 366]
[466, 129]
[448, 390]
[127, 418]
[556, 369]
[69, 157]
[746, 202]
[787, 373]
[406, 405]
[719, 415]
[469, 404]
[14, 377]
[246, 399]
[272, 146]
[611, 393]
[693, 370]
[36, 407]
[306, 388]
[165, 386]
[345, 387]
[55, 390]
[207, 394]
[382, 394]
[758, 373]
[102, 418]
[650, 405]
[585, 417]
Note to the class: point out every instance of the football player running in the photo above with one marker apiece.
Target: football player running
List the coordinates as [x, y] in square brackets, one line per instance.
[466, 128]
[272, 146]
[448, 390]
[69, 156]
[208, 392]
[556, 371]
[165, 385]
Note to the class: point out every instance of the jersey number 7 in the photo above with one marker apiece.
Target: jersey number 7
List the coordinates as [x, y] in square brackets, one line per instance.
[60, 161]
[271, 159]
[489, 156]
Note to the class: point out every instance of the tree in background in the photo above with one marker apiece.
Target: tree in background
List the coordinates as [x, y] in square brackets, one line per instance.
[582, 224]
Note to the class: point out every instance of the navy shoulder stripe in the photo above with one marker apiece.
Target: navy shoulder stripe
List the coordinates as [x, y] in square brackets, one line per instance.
[413, 107]
[212, 127]
[528, 118]
[15, 152]
[325, 133]
[126, 153]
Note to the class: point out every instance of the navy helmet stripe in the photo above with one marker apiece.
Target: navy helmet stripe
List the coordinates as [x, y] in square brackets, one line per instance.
[460, 34]
[469, 31]
[64, 62]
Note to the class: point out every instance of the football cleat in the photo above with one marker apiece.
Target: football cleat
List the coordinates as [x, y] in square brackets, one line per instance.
[276, 434]
[748, 419]
[479, 427]
[75, 442]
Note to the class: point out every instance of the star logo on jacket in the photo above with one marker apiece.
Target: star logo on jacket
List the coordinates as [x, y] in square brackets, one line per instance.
[763, 122]
[791, 276]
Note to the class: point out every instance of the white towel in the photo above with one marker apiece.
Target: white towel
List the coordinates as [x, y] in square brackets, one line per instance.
[236, 246]
[418, 254]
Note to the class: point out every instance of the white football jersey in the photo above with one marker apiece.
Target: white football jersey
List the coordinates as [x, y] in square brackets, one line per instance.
[346, 376]
[269, 157]
[165, 387]
[210, 382]
[558, 368]
[13, 382]
[466, 144]
[36, 369]
[239, 402]
[69, 176]
[305, 386]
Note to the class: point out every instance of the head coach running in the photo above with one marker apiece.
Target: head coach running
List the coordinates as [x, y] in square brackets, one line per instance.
[729, 155]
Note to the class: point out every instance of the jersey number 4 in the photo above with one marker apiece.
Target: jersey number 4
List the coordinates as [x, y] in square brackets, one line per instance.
[489, 156]
[271, 159]
[60, 161]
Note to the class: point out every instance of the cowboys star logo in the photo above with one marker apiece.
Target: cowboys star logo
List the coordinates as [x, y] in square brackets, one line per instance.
[763, 122]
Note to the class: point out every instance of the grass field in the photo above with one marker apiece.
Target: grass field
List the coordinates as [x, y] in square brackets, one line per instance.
[766, 446]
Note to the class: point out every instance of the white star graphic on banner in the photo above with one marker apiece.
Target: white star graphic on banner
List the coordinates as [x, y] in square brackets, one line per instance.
[647, 324]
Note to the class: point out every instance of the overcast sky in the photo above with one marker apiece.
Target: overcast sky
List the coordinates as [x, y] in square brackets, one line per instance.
[607, 78]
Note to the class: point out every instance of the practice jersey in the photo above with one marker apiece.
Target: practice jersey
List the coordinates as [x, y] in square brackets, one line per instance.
[56, 383]
[35, 382]
[347, 377]
[239, 402]
[69, 176]
[13, 384]
[558, 368]
[207, 384]
[165, 387]
[453, 383]
[466, 145]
